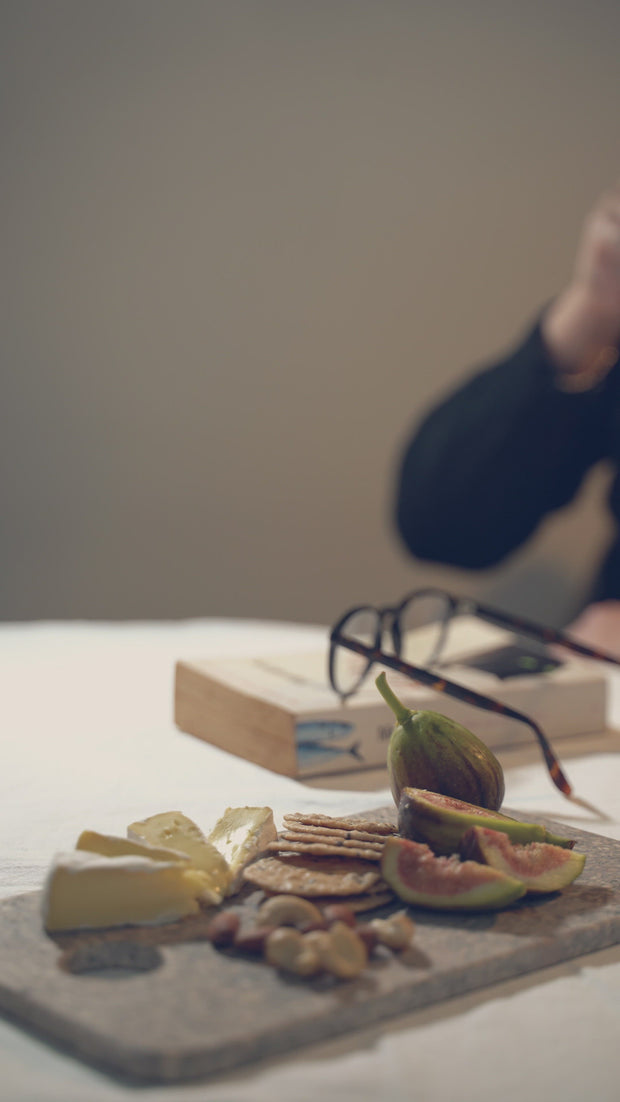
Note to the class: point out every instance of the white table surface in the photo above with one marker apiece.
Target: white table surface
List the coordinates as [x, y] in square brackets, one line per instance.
[89, 741]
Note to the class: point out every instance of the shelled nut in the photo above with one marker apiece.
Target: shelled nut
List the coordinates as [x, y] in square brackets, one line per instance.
[288, 949]
[290, 910]
[395, 932]
[339, 949]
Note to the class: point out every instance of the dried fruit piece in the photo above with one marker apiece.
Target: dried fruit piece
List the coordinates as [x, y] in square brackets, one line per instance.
[441, 821]
[542, 867]
[445, 883]
[431, 751]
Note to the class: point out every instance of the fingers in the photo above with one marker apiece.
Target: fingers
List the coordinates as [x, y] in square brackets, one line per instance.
[609, 204]
[599, 252]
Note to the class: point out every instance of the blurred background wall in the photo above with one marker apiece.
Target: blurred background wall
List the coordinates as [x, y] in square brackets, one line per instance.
[246, 244]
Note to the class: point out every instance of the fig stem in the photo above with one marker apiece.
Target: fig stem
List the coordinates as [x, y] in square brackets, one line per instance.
[401, 712]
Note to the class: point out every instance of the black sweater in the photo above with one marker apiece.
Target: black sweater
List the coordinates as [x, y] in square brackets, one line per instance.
[503, 451]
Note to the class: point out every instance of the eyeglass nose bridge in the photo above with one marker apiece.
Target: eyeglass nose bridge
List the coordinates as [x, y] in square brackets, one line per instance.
[388, 621]
[452, 606]
[466, 606]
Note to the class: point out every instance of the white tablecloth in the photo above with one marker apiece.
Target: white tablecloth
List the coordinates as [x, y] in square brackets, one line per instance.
[89, 741]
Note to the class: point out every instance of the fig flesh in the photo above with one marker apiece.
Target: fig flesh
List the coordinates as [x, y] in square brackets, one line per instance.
[445, 883]
[441, 821]
[431, 751]
[542, 867]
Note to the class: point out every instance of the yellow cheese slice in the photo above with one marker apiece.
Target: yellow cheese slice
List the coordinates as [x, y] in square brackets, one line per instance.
[173, 830]
[109, 845]
[240, 835]
[87, 891]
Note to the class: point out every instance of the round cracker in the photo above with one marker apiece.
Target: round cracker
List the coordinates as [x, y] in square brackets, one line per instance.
[367, 901]
[328, 832]
[341, 822]
[311, 876]
[326, 849]
[328, 837]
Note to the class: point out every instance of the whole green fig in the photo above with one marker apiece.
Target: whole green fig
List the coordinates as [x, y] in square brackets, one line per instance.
[431, 751]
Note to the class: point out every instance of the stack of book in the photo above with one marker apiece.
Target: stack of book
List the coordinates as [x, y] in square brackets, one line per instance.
[281, 713]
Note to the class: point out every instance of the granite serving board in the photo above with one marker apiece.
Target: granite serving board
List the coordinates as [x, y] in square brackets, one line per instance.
[200, 1011]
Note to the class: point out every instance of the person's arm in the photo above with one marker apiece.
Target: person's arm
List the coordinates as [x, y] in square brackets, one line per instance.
[493, 459]
[514, 443]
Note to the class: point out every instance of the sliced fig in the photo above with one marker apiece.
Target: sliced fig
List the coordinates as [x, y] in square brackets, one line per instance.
[542, 867]
[441, 822]
[445, 883]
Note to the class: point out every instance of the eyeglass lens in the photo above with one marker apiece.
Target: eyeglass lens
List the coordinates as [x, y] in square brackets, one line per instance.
[422, 624]
[418, 630]
[349, 669]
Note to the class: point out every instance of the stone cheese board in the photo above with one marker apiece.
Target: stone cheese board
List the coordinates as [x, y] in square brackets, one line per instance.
[198, 1012]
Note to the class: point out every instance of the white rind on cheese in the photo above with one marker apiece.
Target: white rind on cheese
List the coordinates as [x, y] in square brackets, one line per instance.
[172, 829]
[241, 835]
[110, 845]
[84, 890]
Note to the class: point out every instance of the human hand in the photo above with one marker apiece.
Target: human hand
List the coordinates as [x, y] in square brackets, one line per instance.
[597, 264]
[598, 626]
[582, 327]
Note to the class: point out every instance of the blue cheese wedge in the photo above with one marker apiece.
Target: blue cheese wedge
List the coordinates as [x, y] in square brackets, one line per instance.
[241, 835]
[173, 830]
[110, 845]
[88, 891]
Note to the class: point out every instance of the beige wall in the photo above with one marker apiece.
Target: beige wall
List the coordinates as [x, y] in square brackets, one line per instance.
[247, 244]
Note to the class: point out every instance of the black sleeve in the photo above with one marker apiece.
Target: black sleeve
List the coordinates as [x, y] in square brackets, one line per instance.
[491, 461]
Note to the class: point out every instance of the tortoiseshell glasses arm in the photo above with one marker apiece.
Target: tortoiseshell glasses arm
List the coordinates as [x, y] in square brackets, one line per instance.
[468, 696]
[539, 631]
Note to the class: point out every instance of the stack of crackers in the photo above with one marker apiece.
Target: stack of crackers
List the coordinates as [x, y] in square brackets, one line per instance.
[326, 859]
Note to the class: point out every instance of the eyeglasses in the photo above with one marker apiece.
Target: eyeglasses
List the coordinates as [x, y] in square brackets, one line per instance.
[418, 628]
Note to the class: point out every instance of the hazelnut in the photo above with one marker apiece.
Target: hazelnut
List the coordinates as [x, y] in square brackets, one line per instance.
[253, 938]
[223, 928]
[368, 935]
[339, 912]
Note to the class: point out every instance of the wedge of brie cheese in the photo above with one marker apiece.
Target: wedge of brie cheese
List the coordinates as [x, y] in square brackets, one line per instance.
[241, 835]
[88, 891]
[173, 830]
[110, 845]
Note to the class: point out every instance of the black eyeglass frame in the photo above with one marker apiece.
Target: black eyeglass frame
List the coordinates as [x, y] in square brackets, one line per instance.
[389, 617]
